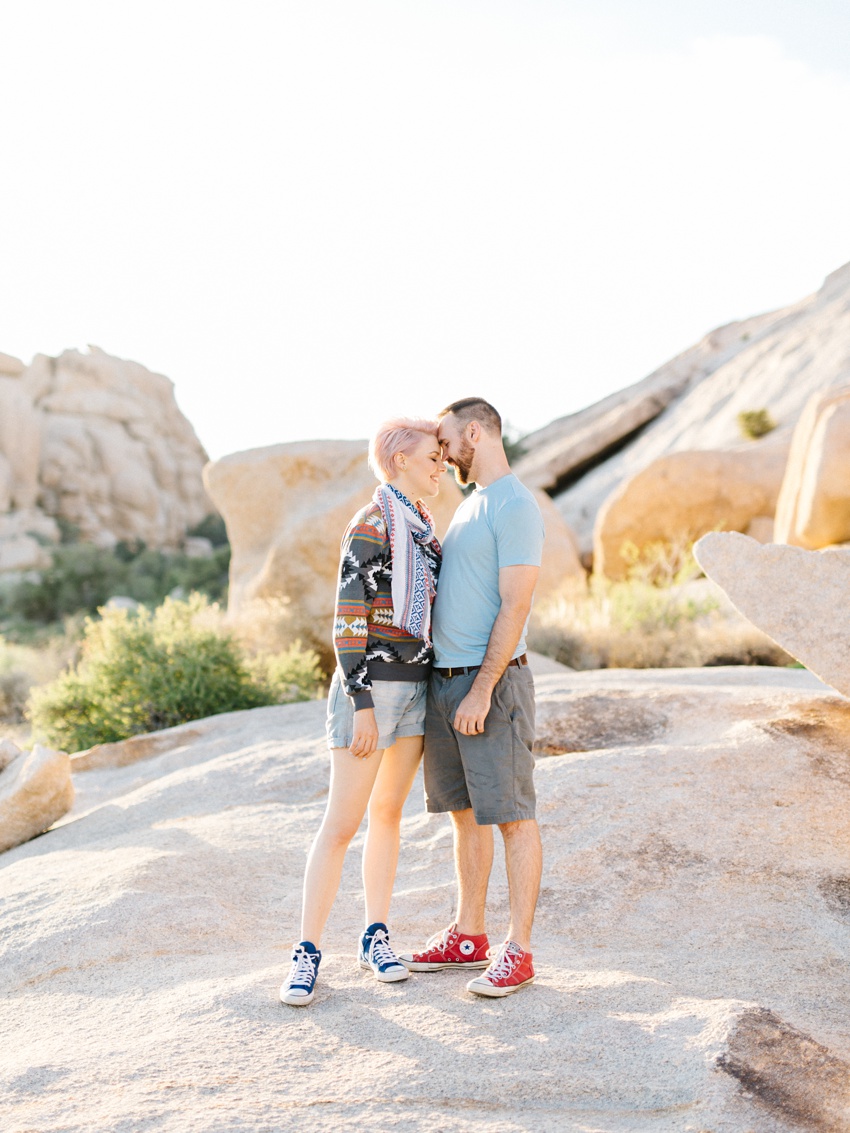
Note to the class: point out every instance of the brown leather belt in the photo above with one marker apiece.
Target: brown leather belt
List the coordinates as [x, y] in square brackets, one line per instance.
[462, 670]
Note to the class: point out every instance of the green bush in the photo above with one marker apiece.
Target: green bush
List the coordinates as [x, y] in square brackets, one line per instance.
[141, 671]
[292, 674]
[755, 423]
[82, 578]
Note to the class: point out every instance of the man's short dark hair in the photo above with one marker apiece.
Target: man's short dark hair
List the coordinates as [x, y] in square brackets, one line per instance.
[474, 409]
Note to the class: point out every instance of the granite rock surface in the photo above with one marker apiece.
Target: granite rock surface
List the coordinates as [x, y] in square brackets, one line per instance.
[691, 943]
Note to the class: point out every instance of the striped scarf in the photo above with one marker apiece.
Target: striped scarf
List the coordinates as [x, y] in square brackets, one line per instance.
[413, 587]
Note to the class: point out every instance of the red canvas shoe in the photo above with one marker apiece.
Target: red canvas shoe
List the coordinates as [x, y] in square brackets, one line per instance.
[449, 949]
[511, 970]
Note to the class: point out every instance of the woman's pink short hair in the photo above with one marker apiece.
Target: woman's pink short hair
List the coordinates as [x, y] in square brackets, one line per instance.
[399, 434]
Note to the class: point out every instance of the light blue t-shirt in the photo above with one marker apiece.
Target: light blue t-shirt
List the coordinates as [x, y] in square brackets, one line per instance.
[495, 527]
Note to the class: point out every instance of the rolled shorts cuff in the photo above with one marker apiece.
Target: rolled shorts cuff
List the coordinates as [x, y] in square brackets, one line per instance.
[343, 739]
[433, 806]
[399, 712]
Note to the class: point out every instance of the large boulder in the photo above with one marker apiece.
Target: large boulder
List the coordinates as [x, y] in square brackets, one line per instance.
[25, 537]
[682, 496]
[797, 597]
[35, 791]
[561, 570]
[101, 444]
[813, 509]
[774, 362]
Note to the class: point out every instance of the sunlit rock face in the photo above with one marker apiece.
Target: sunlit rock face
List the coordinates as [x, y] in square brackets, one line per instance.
[35, 791]
[774, 362]
[814, 504]
[796, 597]
[689, 943]
[680, 497]
[99, 443]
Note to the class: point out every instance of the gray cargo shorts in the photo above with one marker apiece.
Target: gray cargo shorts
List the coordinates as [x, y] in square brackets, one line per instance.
[492, 772]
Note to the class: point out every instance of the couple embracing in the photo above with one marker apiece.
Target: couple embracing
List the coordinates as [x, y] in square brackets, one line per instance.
[452, 670]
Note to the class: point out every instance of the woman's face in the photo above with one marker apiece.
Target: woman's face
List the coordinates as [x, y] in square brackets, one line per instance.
[420, 469]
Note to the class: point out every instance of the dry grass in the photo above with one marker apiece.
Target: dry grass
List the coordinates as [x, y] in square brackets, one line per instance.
[639, 625]
[22, 667]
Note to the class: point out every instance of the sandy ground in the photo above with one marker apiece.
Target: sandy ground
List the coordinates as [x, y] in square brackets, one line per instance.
[696, 869]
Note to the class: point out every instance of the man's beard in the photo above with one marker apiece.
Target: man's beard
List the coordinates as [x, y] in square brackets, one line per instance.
[463, 462]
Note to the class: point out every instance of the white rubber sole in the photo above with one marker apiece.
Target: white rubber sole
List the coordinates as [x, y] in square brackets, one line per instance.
[492, 992]
[386, 977]
[420, 966]
[293, 999]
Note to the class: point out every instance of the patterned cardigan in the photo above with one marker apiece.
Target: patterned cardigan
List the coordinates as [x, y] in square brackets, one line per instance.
[367, 645]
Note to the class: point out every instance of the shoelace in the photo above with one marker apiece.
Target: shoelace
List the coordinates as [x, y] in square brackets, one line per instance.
[503, 965]
[303, 971]
[381, 950]
[443, 938]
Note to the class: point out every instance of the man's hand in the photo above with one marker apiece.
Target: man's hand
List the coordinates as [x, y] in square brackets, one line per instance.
[365, 733]
[472, 712]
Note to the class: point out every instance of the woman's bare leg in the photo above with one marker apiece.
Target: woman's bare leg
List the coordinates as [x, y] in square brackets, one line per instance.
[352, 780]
[380, 853]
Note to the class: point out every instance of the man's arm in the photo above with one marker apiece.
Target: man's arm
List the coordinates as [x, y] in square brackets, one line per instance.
[516, 589]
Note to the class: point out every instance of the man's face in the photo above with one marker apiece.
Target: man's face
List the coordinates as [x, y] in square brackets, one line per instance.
[457, 450]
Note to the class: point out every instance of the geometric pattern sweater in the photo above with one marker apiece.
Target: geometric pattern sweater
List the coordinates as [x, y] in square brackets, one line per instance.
[368, 646]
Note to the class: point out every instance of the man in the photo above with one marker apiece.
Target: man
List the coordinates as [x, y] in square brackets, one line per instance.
[479, 725]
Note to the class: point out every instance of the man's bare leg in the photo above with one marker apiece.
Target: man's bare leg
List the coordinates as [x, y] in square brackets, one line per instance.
[473, 862]
[524, 863]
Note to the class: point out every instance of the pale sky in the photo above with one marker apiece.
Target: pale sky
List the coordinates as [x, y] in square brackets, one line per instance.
[311, 214]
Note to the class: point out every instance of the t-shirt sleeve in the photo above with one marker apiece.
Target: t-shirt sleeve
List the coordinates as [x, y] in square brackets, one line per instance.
[519, 533]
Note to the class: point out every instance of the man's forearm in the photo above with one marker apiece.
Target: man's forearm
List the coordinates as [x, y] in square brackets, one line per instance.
[504, 638]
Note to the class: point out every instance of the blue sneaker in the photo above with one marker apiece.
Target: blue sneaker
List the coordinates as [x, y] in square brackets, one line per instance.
[376, 953]
[300, 987]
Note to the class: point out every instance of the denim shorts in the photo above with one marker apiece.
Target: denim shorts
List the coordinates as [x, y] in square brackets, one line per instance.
[399, 712]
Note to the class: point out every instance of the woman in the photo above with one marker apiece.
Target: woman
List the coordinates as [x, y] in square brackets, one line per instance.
[376, 705]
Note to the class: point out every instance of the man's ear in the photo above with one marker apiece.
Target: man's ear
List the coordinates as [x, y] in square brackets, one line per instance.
[473, 431]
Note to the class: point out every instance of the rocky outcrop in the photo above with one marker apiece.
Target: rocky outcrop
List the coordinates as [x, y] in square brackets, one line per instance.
[798, 598]
[99, 444]
[571, 446]
[561, 569]
[286, 508]
[775, 361]
[682, 496]
[690, 942]
[35, 791]
[25, 538]
[813, 510]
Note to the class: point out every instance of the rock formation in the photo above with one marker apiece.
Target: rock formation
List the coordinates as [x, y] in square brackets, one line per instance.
[775, 362]
[798, 598]
[813, 510]
[680, 497]
[286, 508]
[35, 791]
[690, 947]
[98, 443]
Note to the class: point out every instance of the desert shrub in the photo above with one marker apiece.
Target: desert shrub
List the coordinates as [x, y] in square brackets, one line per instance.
[140, 671]
[755, 423]
[82, 578]
[292, 674]
[639, 623]
[22, 666]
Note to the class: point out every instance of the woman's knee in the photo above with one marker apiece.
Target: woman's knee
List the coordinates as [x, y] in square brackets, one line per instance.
[385, 813]
[337, 834]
